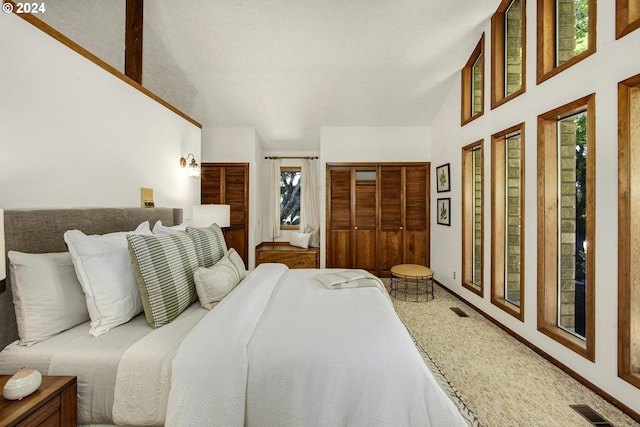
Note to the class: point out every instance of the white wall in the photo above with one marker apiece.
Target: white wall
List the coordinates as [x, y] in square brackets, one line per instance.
[367, 144]
[614, 61]
[239, 145]
[73, 135]
[375, 144]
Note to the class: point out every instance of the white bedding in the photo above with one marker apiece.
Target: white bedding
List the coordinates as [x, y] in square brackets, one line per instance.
[98, 361]
[281, 349]
[303, 355]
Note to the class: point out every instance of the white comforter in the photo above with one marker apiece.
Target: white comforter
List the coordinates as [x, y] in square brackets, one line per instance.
[283, 350]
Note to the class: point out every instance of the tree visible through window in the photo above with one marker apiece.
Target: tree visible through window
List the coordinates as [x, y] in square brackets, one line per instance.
[566, 34]
[290, 197]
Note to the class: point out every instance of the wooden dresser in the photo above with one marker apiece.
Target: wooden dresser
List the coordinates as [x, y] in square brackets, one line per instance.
[291, 256]
[53, 404]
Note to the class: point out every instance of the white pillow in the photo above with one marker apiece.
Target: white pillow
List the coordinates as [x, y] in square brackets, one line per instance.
[215, 282]
[47, 295]
[158, 228]
[300, 240]
[103, 266]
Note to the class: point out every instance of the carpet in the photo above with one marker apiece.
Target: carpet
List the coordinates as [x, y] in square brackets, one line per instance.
[467, 413]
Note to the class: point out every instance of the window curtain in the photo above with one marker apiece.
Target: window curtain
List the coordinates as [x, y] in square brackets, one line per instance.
[274, 199]
[308, 204]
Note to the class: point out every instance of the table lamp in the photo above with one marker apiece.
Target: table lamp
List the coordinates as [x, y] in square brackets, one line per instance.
[205, 215]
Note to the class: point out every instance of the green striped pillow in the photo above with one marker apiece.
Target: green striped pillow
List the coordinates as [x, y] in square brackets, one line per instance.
[210, 244]
[163, 265]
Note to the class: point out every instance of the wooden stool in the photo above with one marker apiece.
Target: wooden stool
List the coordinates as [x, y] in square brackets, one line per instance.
[411, 281]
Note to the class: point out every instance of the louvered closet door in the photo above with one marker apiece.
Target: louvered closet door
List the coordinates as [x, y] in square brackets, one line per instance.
[416, 235]
[339, 254]
[225, 183]
[365, 233]
[391, 218]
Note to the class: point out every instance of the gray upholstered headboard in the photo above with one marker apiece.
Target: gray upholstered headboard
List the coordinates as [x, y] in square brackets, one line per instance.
[41, 231]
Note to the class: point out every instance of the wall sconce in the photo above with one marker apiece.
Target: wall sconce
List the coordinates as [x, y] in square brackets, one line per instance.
[192, 168]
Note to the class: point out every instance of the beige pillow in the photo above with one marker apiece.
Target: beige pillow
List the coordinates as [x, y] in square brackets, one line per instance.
[215, 282]
[47, 295]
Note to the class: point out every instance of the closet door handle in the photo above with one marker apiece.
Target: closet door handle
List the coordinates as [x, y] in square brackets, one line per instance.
[400, 228]
[355, 228]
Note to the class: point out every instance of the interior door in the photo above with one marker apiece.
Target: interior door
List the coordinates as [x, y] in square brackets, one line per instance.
[416, 233]
[339, 201]
[391, 218]
[364, 220]
[228, 183]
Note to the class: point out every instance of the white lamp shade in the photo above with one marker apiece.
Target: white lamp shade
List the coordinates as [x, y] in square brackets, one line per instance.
[205, 215]
[193, 170]
[3, 255]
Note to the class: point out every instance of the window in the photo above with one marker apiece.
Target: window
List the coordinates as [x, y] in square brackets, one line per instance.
[566, 225]
[472, 220]
[507, 220]
[566, 34]
[290, 198]
[508, 47]
[627, 17]
[628, 230]
[473, 85]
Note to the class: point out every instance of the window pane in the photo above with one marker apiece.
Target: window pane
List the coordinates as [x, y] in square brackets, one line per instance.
[513, 220]
[476, 86]
[477, 217]
[365, 175]
[289, 198]
[513, 47]
[572, 29]
[572, 220]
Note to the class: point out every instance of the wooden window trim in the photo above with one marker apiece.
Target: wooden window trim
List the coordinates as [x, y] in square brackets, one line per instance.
[546, 36]
[467, 227]
[498, 65]
[627, 17]
[290, 169]
[498, 198]
[466, 107]
[548, 224]
[628, 272]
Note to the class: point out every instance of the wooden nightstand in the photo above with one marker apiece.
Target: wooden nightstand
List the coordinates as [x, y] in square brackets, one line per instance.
[291, 256]
[53, 404]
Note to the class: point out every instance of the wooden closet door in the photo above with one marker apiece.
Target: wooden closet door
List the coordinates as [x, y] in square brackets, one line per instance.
[391, 218]
[416, 241]
[339, 201]
[364, 219]
[228, 183]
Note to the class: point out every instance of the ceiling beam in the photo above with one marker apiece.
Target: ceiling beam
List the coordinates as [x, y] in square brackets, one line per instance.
[133, 40]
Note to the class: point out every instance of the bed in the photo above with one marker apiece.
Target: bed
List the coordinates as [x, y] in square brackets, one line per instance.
[280, 349]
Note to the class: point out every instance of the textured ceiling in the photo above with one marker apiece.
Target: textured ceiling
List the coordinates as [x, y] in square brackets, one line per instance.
[289, 67]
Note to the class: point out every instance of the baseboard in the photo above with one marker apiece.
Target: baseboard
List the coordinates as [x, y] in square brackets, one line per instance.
[606, 396]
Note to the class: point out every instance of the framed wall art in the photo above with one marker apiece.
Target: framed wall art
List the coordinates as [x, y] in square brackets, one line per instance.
[442, 178]
[444, 211]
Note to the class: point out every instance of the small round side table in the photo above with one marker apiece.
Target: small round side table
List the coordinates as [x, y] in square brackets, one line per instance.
[411, 282]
